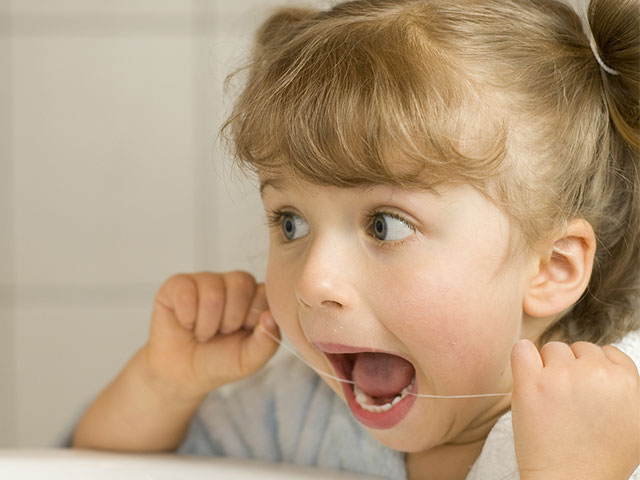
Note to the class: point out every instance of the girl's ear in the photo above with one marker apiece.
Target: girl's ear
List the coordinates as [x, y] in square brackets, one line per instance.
[563, 272]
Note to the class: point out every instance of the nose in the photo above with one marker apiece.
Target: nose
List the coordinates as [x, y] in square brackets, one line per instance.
[326, 279]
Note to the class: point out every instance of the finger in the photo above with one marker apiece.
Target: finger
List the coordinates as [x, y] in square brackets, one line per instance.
[525, 360]
[211, 293]
[587, 350]
[179, 296]
[258, 305]
[261, 344]
[240, 288]
[554, 353]
[251, 350]
[617, 356]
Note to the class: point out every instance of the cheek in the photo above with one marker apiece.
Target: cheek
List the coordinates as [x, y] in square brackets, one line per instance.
[459, 326]
[280, 291]
[280, 287]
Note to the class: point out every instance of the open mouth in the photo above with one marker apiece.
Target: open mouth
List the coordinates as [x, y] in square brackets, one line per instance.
[380, 404]
[382, 383]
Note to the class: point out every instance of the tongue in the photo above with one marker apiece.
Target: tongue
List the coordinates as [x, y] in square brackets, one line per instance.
[381, 374]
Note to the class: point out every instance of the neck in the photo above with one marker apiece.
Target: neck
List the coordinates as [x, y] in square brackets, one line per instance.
[454, 459]
[444, 462]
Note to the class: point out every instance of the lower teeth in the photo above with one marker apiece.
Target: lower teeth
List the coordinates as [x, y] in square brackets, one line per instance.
[364, 399]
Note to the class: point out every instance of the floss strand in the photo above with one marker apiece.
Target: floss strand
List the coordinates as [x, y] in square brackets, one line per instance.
[342, 380]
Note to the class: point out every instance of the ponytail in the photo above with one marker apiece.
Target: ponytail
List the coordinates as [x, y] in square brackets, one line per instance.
[611, 306]
[615, 26]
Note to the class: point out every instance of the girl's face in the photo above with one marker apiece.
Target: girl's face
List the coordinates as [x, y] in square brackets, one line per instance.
[421, 276]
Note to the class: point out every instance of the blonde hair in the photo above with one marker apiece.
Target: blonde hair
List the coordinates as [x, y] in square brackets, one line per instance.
[503, 94]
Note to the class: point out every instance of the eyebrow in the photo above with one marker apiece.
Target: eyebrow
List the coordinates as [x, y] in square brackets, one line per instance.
[270, 182]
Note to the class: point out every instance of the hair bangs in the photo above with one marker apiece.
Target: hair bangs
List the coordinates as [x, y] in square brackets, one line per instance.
[361, 104]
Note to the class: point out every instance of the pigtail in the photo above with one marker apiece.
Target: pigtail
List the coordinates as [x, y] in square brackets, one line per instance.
[615, 25]
[611, 307]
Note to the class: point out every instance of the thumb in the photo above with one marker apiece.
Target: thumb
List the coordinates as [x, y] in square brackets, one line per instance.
[262, 344]
[525, 361]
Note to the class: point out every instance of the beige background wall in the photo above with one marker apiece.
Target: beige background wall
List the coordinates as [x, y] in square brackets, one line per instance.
[110, 181]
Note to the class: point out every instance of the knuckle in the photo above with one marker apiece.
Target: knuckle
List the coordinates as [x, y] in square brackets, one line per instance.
[600, 373]
[553, 346]
[177, 279]
[211, 289]
[187, 296]
[180, 289]
[180, 284]
[242, 282]
[212, 292]
[214, 297]
[581, 343]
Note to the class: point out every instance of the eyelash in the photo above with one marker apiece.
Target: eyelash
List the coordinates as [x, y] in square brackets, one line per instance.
[275, 217]
[390, 243]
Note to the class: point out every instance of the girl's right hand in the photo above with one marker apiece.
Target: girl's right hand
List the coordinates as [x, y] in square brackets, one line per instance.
[207, 331]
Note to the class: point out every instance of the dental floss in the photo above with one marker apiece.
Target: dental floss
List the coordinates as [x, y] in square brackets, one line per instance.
[319, 372]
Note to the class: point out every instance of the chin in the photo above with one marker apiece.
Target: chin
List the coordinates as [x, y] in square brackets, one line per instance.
[402, 441]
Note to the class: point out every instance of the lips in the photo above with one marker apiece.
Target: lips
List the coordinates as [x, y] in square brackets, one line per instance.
[342, 359]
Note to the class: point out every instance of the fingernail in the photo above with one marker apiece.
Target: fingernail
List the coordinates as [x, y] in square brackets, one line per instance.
[523, 345]
[269, 321]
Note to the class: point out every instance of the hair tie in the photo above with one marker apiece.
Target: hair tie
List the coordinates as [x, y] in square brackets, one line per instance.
[604, 66]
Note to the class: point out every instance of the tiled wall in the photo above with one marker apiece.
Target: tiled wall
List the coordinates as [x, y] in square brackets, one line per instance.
[111, 179]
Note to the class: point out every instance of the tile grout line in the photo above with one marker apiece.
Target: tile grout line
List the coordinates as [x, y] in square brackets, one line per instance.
[11, 352]
[98, 295]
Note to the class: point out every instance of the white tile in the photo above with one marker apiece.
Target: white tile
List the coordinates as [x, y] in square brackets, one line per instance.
[103, 143]
[64, 357]
[241, 217]
[231, 232]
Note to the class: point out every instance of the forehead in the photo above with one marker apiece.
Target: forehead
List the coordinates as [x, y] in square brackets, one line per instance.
[415, 197]
[287, 183]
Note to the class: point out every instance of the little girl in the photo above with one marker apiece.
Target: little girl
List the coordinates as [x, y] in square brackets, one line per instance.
[453, 190]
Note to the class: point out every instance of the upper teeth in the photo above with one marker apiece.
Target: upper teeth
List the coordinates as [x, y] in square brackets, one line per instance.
[363, 398]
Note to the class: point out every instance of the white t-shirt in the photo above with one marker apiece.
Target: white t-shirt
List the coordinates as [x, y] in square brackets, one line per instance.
[287, 413]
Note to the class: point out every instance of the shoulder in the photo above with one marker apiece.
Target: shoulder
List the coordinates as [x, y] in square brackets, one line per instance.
[498, 456]
[630, 344]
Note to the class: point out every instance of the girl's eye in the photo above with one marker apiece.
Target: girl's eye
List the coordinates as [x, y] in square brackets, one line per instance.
[390, 228]
[293, 226]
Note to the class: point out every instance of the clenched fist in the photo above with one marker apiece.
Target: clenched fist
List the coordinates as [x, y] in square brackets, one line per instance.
[204, 331]
[576, 411]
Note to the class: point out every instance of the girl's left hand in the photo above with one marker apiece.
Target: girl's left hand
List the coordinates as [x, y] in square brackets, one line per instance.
[576, 411]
